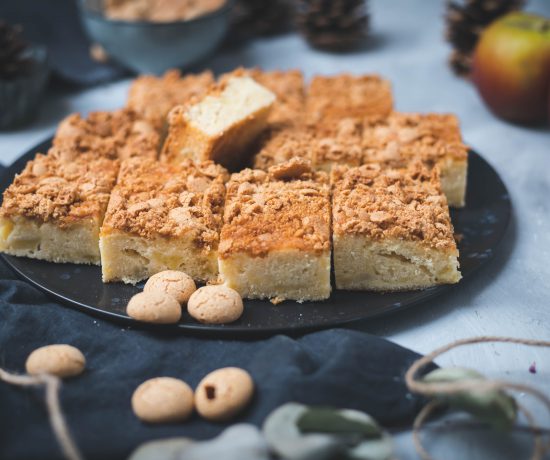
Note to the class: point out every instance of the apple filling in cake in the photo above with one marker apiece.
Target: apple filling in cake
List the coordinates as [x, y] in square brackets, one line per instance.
[53, 209]
[222, 125]
[275, 241]
[391, 229]
[163, 217]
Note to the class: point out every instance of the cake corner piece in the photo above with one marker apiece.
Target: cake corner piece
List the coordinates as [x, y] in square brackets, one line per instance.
[391, 229]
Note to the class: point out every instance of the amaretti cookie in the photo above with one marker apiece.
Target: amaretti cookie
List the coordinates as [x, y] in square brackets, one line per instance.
[332, 98]
[153, 97]
[432, 138]
[163, 217]
[275, 241]
[222, 125]
[53, 209]
[391, 229]
[119, 135]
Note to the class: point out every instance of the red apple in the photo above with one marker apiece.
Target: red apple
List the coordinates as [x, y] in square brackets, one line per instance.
[511, 68]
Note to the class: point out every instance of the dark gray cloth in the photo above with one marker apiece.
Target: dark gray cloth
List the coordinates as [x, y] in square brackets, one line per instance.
[335, 367]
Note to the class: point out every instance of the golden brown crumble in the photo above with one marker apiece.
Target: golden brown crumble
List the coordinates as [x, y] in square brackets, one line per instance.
[282, 142]
[51, 190]
[119, 135]
[347, 96]
[263, 213]
[153, 97]
[402, 137]
[380, 203]
[157, 199]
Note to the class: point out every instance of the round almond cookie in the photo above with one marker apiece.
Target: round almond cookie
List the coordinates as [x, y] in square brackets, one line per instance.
[163, 400]
[60, 360]
[177, 284]
[215, 305]
[224, 393]
[154, 307]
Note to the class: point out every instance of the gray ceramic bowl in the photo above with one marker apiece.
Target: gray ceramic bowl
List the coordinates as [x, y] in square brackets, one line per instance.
[149, 47]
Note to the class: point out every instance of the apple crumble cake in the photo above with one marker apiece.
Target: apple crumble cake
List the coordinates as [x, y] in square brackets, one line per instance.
[331, 99]
[119, 135]
[433, 138]
[275, 241]
[53, 209]
[221, 125]
[153, 97]
[163, 217]
[391, 229]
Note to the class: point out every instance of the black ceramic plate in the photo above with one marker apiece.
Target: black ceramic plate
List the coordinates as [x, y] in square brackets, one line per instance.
[482, 224]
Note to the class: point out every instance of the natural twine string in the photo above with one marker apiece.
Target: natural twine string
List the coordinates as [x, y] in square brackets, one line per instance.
[451, 388]
[57, 420]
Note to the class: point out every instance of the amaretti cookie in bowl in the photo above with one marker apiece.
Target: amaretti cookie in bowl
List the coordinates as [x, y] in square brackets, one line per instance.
[391, 229]
[275, 241]
[163, 217]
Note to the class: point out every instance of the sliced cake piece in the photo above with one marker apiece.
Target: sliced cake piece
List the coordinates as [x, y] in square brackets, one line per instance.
[330, 99]
[275, 241]
[391, 229]
[163, 217]
[220, 126]
[120, 134]
[433, 138]
[53, 209]
[153, 97]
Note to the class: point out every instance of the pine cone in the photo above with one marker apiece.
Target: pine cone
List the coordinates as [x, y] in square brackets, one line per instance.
[13, 62]
[261, 17]
[465, 23]
[335, 25]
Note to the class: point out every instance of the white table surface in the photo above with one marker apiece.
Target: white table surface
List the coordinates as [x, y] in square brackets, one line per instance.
[509, 297]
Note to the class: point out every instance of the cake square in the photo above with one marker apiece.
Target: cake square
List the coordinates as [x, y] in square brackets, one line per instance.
[163, 217]
[53, 209]
[120, 134]
[275, 241]
[341, 96]
[222, 125]
[289, 88]
[391, 229]
[153, 97]
[432, 138]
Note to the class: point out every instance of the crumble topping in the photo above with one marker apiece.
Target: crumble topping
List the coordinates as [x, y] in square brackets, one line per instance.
[282, 142]
[52, 190]
[402, 136]
[154, 97]
[119, 135]
[380, 203]
[345, 96]
[157, 199]
[287, 207]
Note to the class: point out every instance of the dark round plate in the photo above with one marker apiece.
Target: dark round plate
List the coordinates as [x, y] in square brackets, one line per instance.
[482, 224]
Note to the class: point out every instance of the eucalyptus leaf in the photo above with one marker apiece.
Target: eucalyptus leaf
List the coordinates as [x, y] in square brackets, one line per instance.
[286, 440]
[495, 407]
[338, 421]
[163, 449]
[373, 449]
[298, 432]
